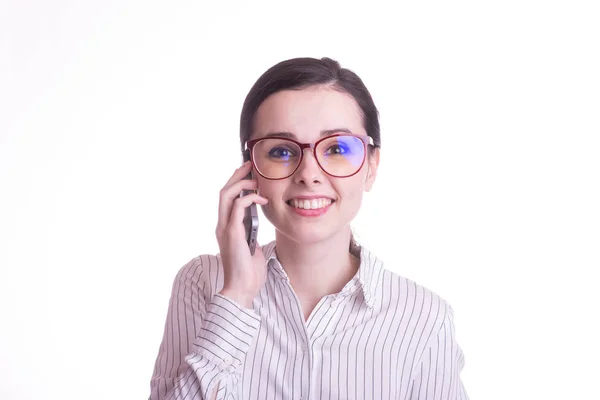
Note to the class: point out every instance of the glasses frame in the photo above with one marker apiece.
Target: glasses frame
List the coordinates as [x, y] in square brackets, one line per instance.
[367, 141]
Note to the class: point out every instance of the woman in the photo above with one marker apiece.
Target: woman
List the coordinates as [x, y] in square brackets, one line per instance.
[311, 314]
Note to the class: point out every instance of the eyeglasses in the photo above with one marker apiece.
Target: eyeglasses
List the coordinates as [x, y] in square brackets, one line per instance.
[339, 155]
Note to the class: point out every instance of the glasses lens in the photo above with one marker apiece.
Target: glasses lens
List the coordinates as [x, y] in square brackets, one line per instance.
[276, 158]
[341, 155]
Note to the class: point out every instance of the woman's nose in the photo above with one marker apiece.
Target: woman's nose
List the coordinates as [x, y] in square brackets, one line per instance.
[309, 170]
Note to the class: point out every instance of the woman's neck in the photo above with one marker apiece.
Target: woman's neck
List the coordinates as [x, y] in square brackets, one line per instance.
[317, 269]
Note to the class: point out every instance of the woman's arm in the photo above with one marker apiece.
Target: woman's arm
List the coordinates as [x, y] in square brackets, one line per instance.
[438, 374]
[204, 342]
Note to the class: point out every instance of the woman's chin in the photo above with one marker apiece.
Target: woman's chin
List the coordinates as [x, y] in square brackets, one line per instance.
[302, 230]
[306, 234]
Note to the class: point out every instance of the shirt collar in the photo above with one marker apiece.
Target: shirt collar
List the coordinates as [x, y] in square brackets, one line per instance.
[369, 270]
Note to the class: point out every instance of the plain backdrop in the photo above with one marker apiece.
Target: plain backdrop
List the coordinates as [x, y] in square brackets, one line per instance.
[119, 124]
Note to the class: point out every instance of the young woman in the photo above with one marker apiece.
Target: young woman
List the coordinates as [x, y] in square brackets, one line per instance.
[311, 315]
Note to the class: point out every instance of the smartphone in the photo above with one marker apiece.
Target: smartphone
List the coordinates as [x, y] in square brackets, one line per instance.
[251, 214]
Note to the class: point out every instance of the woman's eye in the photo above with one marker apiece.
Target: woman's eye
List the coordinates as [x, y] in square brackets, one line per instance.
[336, 149]
[280, 152]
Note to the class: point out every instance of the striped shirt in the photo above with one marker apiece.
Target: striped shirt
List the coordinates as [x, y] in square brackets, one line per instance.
[381, 337]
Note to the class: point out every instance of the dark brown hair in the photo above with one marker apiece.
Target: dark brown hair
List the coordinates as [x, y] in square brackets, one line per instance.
[304, 72]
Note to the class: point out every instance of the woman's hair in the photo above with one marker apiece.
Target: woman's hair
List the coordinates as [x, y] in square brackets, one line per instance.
[301, 73]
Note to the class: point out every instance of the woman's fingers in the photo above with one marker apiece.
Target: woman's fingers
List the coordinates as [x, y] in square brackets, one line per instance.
[227, 197]
[243, 274]
[240, 204]
[239, 173]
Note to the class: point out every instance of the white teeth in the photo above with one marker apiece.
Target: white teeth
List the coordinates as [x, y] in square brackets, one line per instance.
[310, 204]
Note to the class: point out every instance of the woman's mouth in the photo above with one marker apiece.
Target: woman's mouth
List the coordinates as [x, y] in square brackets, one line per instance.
[310, 208]
[312, 204]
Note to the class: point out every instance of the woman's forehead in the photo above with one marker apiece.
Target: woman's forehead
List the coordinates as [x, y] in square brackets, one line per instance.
[307, 112]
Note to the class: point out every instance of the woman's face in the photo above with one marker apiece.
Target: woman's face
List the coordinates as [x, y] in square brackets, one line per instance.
[305, 113]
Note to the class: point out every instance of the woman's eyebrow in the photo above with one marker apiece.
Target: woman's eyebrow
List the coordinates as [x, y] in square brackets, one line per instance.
[332, 131]
[281, 134]
[323, 133]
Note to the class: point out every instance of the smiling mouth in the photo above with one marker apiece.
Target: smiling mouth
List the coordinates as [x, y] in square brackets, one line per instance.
[314, 204]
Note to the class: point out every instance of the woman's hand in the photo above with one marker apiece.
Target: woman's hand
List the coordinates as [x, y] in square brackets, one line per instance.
[245, 274]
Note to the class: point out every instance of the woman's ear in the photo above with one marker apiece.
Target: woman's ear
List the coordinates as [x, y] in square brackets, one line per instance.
[373, 161]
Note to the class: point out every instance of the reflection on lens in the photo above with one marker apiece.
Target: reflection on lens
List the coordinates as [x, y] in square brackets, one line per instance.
[341, 155]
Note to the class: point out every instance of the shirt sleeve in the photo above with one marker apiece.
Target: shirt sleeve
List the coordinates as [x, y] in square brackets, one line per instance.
[204, 342]
[438, 375]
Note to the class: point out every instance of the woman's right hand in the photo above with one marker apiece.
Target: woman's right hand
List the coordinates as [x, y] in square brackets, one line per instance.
[245, 274]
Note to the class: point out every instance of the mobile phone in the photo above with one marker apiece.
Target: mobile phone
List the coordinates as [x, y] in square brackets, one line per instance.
[250, 214]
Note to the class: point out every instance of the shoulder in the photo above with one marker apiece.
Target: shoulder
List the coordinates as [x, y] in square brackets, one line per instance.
[427, 308]
[387, 283]
[204, 271]
[420, 291]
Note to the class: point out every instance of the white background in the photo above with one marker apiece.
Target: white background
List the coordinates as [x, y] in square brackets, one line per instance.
[119, 124]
